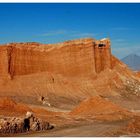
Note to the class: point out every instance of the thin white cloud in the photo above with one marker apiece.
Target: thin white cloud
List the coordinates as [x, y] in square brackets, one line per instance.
[54, 33]
[84, 35]
[68, 33]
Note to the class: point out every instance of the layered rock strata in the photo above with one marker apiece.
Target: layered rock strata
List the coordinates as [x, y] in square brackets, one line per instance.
[83, 57]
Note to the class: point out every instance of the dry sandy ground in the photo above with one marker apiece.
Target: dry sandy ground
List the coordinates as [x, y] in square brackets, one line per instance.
[94, 129]
[69, 126]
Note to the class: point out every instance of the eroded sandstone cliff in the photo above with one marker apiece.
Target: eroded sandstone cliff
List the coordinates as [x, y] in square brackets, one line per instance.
[83, 57]
[63, 73]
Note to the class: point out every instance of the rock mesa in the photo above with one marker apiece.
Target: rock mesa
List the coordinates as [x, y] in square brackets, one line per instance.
[72, 58]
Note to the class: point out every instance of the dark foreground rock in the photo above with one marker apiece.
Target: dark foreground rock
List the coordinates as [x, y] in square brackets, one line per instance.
[23, 124]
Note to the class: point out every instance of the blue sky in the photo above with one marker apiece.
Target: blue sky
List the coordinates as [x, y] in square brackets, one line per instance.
[51, 23]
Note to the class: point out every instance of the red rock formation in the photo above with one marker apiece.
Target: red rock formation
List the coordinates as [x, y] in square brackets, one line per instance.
[3, 61]
[64, 73]
[102, 55]
[72, 58]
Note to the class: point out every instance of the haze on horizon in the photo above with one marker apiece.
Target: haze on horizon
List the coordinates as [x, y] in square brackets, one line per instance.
[51, 23]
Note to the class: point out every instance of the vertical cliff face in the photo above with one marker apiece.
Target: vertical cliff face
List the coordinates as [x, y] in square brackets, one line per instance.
[102, 55]
[4, 61]
[83, 57]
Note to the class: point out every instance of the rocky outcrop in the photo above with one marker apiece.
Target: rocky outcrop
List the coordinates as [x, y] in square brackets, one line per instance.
[63, 73]
[23, 124]
[83, 57]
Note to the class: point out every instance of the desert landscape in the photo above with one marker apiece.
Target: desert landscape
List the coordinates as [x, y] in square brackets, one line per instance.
[73, 88]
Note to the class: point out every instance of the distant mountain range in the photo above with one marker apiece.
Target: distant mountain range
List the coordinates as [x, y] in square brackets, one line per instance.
[133, 61]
